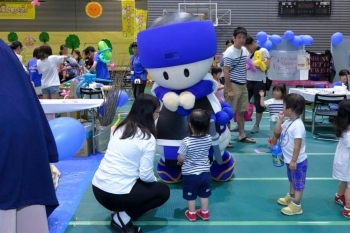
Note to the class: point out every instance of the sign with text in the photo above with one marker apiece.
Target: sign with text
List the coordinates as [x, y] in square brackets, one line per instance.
[283, 65]
[128, 18]
[17, 10]
[303, 61]
[320, 66]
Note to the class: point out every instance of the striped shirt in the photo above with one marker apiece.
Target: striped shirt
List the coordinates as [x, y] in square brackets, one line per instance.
[196, 151]
[274, 106]
[236, 59]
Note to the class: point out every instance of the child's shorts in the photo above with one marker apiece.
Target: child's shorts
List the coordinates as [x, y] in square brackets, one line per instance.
[196, 185]
[51, 90]
[298, 176]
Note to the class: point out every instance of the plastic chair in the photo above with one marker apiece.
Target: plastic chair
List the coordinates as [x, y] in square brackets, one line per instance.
[322, 100]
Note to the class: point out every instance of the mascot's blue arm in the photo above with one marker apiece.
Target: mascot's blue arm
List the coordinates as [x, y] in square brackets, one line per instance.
[161, 91]
[201, 89]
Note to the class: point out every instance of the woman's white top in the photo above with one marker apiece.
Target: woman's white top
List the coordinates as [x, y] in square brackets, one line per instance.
[341, 164]
[48, 69]
[126, 161]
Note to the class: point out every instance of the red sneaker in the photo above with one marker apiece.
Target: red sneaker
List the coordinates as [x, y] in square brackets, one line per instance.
[204, 216]
[339, 199]
[346, 212]
[190, 216]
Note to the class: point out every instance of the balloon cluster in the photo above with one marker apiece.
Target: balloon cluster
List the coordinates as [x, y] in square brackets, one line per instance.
[337, 38]
[267, 41]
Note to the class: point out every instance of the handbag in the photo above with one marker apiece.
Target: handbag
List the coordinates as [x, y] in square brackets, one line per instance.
[248, 114]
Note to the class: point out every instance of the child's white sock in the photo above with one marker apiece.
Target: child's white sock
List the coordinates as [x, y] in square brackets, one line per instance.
[205, 211]
[123, 216]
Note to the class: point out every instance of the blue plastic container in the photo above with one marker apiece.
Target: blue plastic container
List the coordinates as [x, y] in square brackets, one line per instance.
[277, 156]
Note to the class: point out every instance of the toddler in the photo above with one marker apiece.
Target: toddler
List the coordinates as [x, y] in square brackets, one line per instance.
[292, 134]
[216, 72]
[274, 105]
[193, 156]
[341, 164]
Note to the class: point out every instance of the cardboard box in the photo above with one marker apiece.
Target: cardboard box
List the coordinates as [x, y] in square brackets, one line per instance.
[86, 149]
[75, 115]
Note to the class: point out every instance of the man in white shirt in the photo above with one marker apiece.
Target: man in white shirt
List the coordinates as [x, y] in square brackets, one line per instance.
[235, 79]
[256, 80]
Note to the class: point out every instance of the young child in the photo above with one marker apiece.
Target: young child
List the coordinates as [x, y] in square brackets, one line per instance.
[292, 136]
[216, 72]
[35, 77]
[341, 164]
[275, 106]
[193, 156]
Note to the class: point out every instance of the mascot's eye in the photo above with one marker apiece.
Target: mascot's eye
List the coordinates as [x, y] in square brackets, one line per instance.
[165, 75]
[186, 73]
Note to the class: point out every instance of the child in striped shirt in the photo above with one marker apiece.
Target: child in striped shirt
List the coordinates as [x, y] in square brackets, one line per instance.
[274, 105]
[193, 156]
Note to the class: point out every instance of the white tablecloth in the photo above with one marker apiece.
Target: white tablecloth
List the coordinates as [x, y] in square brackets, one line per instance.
[310, 93]
[69, 105]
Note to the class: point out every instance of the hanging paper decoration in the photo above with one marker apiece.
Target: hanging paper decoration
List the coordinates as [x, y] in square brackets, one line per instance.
[140, 21]
[93, 9]
[128, 18]
[35, 3]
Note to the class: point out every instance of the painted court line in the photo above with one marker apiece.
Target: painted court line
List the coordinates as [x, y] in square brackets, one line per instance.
[276, 178]
[258, 152]
[218, 223]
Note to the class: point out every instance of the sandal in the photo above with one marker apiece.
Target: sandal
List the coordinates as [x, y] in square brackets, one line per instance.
[247, 140]
[128, 228]
[230, 145]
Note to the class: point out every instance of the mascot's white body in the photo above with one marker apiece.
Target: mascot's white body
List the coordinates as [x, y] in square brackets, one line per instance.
[179, 61]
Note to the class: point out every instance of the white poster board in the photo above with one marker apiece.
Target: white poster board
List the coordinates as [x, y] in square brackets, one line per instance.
[283, 65]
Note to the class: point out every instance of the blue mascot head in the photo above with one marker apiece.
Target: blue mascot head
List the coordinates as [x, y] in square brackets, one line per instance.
[177, 50]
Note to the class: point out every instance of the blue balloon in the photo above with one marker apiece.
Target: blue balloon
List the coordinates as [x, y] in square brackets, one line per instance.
[337, 38]
[297, 41]
[289, 35]
[276, 39]
[69, 136]
[122, 99]
[267, 45]
[307, 40]
[261, 36]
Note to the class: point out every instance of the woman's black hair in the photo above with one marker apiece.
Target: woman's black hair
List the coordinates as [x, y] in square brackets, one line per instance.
[15, 44]
[215, 70]
[249, 40]
[36, 53]
[140, 117]
[61, 48]
[44, 51]
[89, 49]
[342, 120]
[134, 45]
[199, 120]
[282, 88]
[344, 72]
[77, 52]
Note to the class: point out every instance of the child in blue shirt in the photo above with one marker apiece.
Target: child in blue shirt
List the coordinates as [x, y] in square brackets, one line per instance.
[32, 67]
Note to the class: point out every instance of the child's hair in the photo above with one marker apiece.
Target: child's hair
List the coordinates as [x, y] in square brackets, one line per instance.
[36, 53]
[344, 72]
[215, 70]
[282, 88]
[134, 45]
[61, 48]
[89, 49]
[342, 121]
[295, 102]
[15, 44]
[200, 121]
[44, 51]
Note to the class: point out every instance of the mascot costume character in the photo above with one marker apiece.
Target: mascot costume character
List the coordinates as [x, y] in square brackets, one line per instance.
[177, 50]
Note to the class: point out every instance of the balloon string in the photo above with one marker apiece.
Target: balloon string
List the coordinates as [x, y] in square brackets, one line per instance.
[117, 122]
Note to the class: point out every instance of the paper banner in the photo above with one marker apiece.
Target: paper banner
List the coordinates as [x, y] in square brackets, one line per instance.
[128, 18]
[140, 21]
[17, 10]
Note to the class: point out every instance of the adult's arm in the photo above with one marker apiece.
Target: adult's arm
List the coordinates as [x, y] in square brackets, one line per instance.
[146, 172]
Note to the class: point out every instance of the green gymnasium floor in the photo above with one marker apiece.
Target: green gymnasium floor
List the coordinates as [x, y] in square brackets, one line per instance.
[247, 203]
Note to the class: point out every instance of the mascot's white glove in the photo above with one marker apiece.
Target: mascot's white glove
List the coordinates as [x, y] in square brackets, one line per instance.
[187, 100]
[171, 101]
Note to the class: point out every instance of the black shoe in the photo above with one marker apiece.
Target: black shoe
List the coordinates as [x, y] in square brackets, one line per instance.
[128, 228]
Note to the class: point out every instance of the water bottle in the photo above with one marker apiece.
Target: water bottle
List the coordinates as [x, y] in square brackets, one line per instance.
[277, 156]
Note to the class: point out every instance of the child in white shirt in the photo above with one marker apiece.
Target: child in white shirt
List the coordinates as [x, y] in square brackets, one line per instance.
[341, 164]
[47, 66]
[292, 134]
[275, 106]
